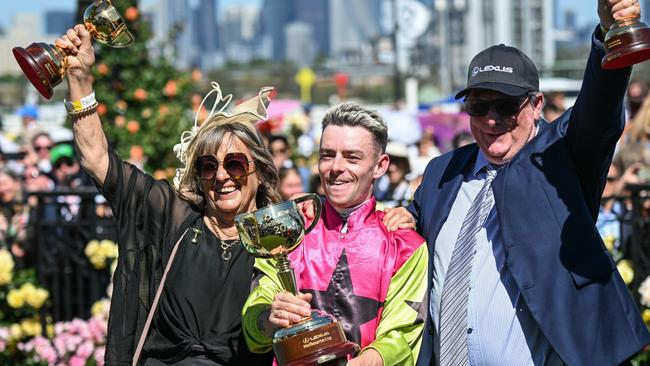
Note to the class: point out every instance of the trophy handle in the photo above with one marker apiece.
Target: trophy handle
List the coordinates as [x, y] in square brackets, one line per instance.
[318, 207]
[106, 25]
[249, 233]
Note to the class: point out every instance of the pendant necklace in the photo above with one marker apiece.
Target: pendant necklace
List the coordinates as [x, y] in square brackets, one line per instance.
[226, 254]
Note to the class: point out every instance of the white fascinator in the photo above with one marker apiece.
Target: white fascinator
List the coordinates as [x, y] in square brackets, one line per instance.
[256, 107]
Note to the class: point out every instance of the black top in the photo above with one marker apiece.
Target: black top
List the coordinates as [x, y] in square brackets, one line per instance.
[150, 218]
[200, 308]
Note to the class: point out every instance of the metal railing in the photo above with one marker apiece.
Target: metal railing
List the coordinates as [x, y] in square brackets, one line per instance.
[64, 221]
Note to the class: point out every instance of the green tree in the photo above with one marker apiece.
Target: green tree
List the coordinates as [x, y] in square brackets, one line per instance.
[144, 101]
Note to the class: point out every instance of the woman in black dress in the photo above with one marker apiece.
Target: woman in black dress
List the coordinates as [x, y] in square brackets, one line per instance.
[227, 171]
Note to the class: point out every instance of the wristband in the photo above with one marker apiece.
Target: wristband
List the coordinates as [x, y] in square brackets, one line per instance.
[81, 104]
[77, 115]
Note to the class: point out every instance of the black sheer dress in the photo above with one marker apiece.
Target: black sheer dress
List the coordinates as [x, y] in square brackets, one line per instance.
[199, 315]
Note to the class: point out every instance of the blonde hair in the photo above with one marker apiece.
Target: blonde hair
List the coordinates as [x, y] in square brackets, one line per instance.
[640, 129]
[207, 140]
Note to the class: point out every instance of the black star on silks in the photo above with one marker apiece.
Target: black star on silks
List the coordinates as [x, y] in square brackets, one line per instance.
[420, 308]
[340, 301]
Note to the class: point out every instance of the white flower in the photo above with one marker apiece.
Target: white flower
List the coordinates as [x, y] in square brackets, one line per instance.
[644, 291]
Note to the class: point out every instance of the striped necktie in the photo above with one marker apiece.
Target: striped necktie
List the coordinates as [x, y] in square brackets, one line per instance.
[455, 292]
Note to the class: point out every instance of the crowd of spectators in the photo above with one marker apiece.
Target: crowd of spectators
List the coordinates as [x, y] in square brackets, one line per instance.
[630, 167]
[31, 163]
[41, 164]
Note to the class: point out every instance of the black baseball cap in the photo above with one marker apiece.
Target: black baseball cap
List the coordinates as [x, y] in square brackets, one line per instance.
[504, 69]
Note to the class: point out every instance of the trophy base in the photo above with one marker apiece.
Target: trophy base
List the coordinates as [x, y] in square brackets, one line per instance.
[333, 356]
[320, 340]
[42, 64]
[627, 48]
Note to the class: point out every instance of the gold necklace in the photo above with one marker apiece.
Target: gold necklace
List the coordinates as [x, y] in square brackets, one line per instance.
[226, 254]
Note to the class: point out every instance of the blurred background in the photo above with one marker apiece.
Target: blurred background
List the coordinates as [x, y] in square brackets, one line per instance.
[404, 58]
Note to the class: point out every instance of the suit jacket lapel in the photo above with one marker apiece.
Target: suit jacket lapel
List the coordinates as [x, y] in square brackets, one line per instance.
[449, 186]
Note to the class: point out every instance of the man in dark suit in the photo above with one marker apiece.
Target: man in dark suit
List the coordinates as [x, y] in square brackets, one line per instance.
[518, 274]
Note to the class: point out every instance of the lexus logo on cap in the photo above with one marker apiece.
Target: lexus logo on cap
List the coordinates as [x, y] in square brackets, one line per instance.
[476, 70]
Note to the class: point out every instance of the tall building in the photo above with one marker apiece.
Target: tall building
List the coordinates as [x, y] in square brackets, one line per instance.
[301, 47]
[230, 26]
[206, 31]
[533, 31]
[569, 19]
[354, 27]
[57, 21]
[172, 26]
[468, 26]
[239, 23]
[274, 16]
[316, 13]
[25, 29]
[238, 31]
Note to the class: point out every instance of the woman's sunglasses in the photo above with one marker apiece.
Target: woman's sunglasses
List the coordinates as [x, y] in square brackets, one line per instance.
[42, 147]
[235, 164]
[505, 107]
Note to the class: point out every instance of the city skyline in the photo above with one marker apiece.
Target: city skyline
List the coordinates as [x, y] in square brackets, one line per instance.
[341, 35]
[11, 9]
[584, 10]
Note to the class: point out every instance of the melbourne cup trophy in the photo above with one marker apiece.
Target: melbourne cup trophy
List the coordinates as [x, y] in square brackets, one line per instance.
[627, 42]
[273, 232]
[45, 64]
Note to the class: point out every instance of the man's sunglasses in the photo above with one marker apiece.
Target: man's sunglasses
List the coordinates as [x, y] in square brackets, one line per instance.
[235, 164]
[505, 107]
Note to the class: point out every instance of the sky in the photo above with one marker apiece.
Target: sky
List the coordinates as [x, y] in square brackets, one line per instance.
[585, 9]
[13, 7]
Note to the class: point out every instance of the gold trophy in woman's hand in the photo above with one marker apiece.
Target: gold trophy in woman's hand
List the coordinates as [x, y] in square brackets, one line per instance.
[45, 64]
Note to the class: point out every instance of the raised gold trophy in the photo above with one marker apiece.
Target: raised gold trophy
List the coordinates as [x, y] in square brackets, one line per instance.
[273, 232]
[627, 43]
[45, 64]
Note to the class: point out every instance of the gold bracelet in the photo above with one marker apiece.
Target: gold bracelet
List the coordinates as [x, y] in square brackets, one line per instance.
[77, 115]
